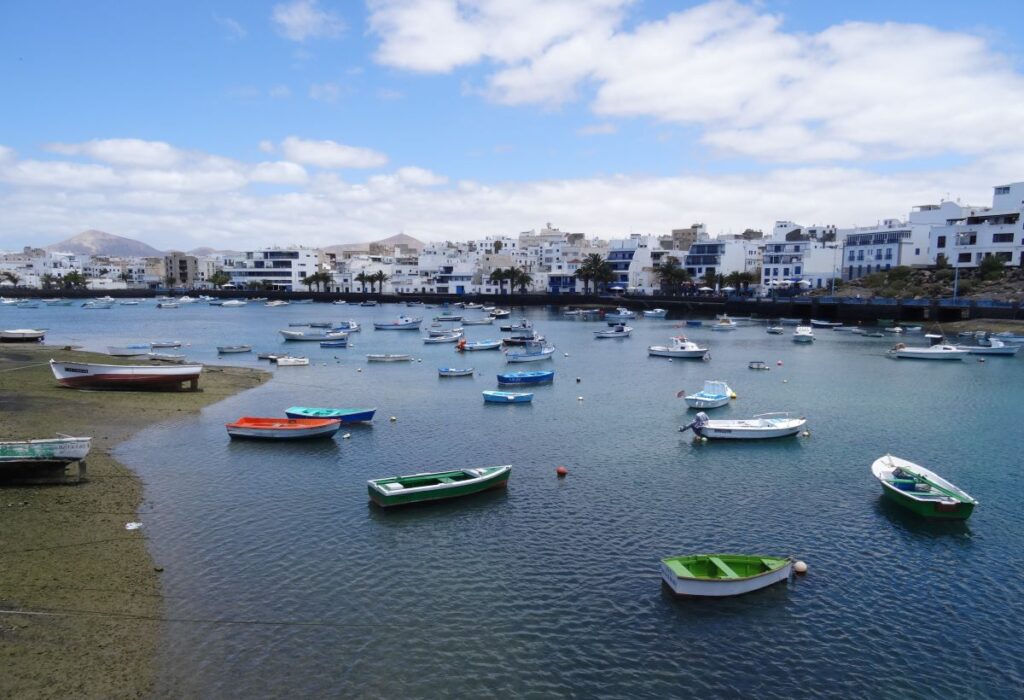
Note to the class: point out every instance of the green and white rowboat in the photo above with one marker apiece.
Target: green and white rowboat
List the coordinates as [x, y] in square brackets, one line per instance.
[64, 449]
[718, 575]
[434, 486]
[920, 490]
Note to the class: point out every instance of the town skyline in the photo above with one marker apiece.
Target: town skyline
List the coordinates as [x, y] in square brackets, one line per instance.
[324, 123]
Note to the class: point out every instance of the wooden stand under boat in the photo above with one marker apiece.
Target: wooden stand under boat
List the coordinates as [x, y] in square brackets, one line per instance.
[433, 486]
[96, 376]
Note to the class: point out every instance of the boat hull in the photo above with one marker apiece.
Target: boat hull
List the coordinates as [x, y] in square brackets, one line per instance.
[450, 372]
[284, 432]
[735, 430]
[696, 401]
[526, 377]
[51, 451]
[948, 502]
[506, 397]
[662, 351]
[725, 587]
[88, 375]
[408, 496]
[22, 335]
[928, 509]
[345, 415]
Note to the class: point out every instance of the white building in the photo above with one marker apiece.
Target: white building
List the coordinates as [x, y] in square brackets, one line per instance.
[792, 262]
[977, 232]
[281, 268]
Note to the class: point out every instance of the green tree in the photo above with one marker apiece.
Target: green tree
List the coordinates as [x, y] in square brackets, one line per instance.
[497, 247]
[125, 277]
[323, 279]
[519, 277]
[991, 268]
[498, 277]
[171, 281]
[361, 278]
[309, 281]
[11, 277]
[671, 275]
[48, 281]
[604, 274]
[219, 278]
[75, 279]
[380, 277]
[941, 261]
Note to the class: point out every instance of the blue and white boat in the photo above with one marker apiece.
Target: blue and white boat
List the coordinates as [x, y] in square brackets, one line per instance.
[346, 327]
[714, 394]
[620, 314]
[655, 313]
[345, 415]
[339, 343]
[402, 323]
[534, 377]
[694, 324]
[454, 372]
[507, 397]
[532, 351]
[617, 331]
[447, 338]
[464, 346]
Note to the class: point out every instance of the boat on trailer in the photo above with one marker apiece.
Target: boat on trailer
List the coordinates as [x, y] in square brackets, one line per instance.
[719, 575]
[47, 452]
[760, 427]
[98, 376]
[282, 428]
[345, 415]
[920, 490]
[435, 486]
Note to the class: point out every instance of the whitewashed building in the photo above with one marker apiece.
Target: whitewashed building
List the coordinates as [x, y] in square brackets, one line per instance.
[281, 268]
[977, 232]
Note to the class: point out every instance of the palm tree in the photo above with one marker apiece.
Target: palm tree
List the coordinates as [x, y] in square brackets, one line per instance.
[362, 278]
[520, 278]
[670, 274]
[323, 278]
[594, 269]
[498, 277]
[11, 277]
[309, 281]
[584, 275]
[47, 280]
[709, 278]
[219, 278]
[602, 271]
[170, 281]
[380, 277]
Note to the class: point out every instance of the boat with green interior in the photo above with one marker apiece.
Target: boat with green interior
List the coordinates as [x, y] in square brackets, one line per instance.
[920, 490]
[434, 486]
[718, 575]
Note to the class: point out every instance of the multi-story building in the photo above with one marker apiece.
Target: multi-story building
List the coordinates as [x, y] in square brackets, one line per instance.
[180, 269]
[278, 268]
[806, 263]
[978, 232]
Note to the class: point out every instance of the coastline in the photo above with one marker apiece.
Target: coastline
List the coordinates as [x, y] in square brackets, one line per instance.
[65, 549]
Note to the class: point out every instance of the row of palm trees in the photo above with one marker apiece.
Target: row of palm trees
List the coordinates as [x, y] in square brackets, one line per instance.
[516, 277]
[317, 278]
[673, 277]
[595, 269]
[374, 278]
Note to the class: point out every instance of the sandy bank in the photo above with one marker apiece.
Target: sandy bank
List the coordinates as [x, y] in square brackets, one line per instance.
[64, 549]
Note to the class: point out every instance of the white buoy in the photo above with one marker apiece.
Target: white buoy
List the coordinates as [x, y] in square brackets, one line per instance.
[346, 436]
[393, 419]
[806, 433]
[785, 381]
[360, 369]
[703, 439]
[800, 567]
[579, 398]
[567, 354]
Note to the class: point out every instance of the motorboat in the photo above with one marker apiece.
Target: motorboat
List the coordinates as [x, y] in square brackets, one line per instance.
[620, 314]
[715, 393]
[803, 334]
[721, 575]
[166, 357]
[165, 344]
[994, 347]
[233, 303]
[530, 352]
[22, 335]
[439, 331]
[824, 324]
[724, 323]
[439, 339]
[346, 327]
[93, 375]
[94, 305]
[617, 331]
[402, 323]
[655, 313]
[339, 343]
[775, 330]
[758, 365]
[760, 427]
[940, 351]
[500, 313]
[48, 452]
[276, 302]
[161, 305]
[534, 377]
[680, 347]
[920, 490]
[478, 321]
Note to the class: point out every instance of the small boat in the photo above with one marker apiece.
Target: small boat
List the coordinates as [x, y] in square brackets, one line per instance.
[681, 347]
[128, 302]
[478, 321]
[259, 300]
[302, 301]
[507, 397]
[402, 323]
[414, 302]
[165, 357]
[532, 337]
[320, 324]
[57, 302]
[775, 330]
[874, 334]
[166, 305]
[165, 344]
[790, 321]
[268, 356]
[617, 331]
[339, 302]
[932, 352]
[27, 305]
[93, 305]
[47, 452]
[340, 343]
[368, 302]
[464, 346]
[186, 300]
[345, 415]
[803, 334]
[920, 490]
[994, 347]
[438, 339]
[230, 349]
[232, 303]
[438, 332]
[757, 364]
[454, 372]
[724, 323]
[694, 324]
[388, 358]
[760, 427]
[434, 486]
[534, 377]
[500, 313]
[276, 302]
[347, 327]
[893, 329]
[655, 313]
[282, 428]
[620, 314]
[823, 324]
[93, 375]
[9, 302]
[533, 351]
[714, 394]
[291, 361]
[316, 335]
[718, 575]
[128, 350]
[22, 335]
[447, 318]
[845, 329]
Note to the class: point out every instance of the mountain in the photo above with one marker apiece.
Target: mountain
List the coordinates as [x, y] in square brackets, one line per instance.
[207, 250]
[94, 242]
[397, 239]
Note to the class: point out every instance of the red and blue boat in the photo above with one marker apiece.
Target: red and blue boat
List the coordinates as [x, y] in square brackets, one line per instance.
[345, 415]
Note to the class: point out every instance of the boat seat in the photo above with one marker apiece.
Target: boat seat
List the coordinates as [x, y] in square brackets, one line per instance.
[768, 564]
[680, 569]
[446, 479]
[724, 568]
[392, 487]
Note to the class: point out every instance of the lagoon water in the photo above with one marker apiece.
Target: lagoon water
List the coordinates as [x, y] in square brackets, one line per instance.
[281, 580]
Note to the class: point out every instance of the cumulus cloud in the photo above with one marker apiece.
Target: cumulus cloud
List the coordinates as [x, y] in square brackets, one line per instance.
[304, 19]
[279, 172]
[420, 176]
[325, 92]
[122, 151]
[330, 154]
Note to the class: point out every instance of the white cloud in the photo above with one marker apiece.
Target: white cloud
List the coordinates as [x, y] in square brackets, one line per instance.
[330, 154]
[279, 92]
[122, 151]
[6, 154]
[388, 95]
[234, 28]
[279, 172]
[420, 176]
[267, 146]
[325, 92]
[605, 129]
[303, 19]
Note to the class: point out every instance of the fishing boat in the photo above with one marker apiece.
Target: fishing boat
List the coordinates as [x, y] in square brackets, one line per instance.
[823, 324]
[378, 357]
[47, 452]
[719, 575]
[347, 327]
[282, 428]
[454, 372]
[620, 314]
[921, 490]
[440, 331]
[500, 313]
[161, 305]
[464, 346]
[128, 350]
[439, 339]
[680, 347]
[345, 415]
[655, 313]
[617, 331]
[757, 364]
[22, 335]
[507, 397]
[994, 347]
[534, 377]
[232, 303]
[368, 302]
[339, 343]
[724, 323]
[714, 394]
[291, 361]
[165, 357]
[533, 351]
[434, 486]
[478, 321]
[775, 330]
[940, 351]
[312, 335]
[165, 344]
[276, 302]
[760, 427]
[94, 305]
[231, 349]
[402, 323]
[93, 375]
[803, 334]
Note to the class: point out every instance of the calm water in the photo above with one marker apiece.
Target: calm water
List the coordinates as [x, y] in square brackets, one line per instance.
[281, 579]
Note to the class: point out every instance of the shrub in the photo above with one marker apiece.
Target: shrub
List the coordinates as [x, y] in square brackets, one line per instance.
[900, 272]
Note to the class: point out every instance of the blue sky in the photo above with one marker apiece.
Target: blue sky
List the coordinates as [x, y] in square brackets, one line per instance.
[491, 117]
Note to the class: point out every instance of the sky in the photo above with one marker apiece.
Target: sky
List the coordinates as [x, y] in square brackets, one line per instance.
[241, 123]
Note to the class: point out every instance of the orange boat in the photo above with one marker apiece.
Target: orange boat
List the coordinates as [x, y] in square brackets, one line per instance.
[282, 428]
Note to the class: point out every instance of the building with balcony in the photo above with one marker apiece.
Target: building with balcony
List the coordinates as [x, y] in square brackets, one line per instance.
[275, 268]
[978, 232]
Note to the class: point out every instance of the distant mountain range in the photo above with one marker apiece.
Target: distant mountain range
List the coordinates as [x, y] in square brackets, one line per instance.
[94, 242]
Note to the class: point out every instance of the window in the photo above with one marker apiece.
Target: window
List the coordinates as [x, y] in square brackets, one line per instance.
[1002, 190]
[940, 242]
[796, 270]
[785, 272]
[1002, 238]
[851, 256]
[1005, 257]
[963, 258]
[917, 251]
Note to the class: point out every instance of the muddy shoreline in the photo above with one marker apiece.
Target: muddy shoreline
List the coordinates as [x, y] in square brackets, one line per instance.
[64, 549]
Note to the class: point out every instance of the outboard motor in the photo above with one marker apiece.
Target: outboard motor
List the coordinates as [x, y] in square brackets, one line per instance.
[697, 423]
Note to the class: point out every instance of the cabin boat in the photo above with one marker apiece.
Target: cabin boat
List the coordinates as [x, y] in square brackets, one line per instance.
[232, 303]
[402, 323]
[920, 490]
[128, 350]
[803, 334]
[724, 323]
[345, 415]
[714, 394]
[681, 347]
[775, 330]
[43, 453]
[994, 347]
[534, 377]
[313, 335]
[92, 375]
[434, 486]
[454, 372]
[165, 344]
[760, 427]
[379, 357]
[933, 352]
[447, 338]
[464, 346]
[655, 313]
[500, 313]
[532, 351]
[346, 327]
[231, 349]
[276, 302]
[290, 361]
[617, 331]
[282, 428]
[719, 575]
[22, 335]
[757, 364]
[507, 397]
[620, 314]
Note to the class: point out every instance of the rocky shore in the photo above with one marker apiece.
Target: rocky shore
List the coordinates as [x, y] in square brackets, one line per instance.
[80, 598]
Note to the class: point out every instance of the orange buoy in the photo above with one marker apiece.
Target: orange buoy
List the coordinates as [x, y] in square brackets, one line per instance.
[561, 471]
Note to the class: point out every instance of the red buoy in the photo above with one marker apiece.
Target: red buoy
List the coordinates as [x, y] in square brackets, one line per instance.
[561, 471]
